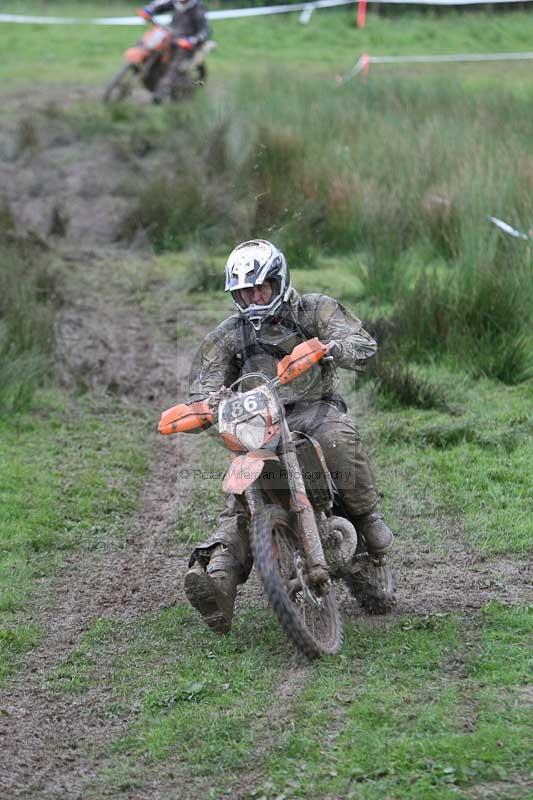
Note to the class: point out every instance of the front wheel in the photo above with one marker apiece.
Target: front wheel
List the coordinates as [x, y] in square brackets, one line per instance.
[120, 86]
[309, 618]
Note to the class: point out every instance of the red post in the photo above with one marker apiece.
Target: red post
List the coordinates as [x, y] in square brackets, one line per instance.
[361, 13]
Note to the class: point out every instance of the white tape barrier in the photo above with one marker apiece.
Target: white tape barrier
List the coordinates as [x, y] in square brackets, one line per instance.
[305, 8]
[365, 61]
[228, 13]
[24, 20]
[506, 228]
[237, 13]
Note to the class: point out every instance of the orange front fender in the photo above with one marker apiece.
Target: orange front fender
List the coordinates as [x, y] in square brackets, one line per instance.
[136, 55]
[245, 470]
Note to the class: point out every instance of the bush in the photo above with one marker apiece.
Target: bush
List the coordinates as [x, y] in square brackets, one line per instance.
[397, 384]
[394, 174]
[478, 314]
[28, 294]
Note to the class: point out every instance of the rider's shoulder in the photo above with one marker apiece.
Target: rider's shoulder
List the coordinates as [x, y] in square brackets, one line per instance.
[227, 328]
[315, 301]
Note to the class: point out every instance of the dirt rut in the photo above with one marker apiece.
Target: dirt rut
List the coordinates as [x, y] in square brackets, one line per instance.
[49, 743]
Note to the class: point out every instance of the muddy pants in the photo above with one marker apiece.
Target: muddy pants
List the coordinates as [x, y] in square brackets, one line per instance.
[346, 460]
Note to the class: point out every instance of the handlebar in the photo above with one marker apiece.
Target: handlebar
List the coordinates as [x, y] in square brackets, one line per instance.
[200, 414]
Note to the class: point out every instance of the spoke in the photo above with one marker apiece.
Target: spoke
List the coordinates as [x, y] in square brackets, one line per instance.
[316, 618]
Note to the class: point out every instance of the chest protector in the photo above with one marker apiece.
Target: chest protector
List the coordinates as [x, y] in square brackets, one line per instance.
[262, 350]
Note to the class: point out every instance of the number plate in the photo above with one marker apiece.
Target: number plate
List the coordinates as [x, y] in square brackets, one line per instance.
[243, 405]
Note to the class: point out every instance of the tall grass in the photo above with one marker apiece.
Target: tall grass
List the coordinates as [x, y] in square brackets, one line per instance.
[401, 174]
[480, 314]
[27, 297]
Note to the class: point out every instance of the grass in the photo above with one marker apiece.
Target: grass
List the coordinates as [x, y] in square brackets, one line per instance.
[421, 707]
[401, 736]
[254, 156]
[202, 700]
[411, 233]
[29, 297]
[89, 54]
[425, 707]
[473, 465]
[14, 643]
[69, 480]
[200, 513]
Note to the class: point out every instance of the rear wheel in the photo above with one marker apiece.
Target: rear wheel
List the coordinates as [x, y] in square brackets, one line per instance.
[308, 615]
[201, 74]
[121, 85]
[373, 583]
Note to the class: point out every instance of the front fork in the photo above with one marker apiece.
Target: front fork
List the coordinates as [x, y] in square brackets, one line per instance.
[307, 527]
[313, 552]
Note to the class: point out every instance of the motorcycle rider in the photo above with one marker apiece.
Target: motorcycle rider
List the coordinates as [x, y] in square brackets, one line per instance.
[191, 29]
[271, 320]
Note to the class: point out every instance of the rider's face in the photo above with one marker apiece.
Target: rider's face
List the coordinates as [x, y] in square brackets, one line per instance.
[259, 295]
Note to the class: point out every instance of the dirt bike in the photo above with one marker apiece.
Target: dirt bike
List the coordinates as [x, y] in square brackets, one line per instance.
[147, 62]
[299, 542]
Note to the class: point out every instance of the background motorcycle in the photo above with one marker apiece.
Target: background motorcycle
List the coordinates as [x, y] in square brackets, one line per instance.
[147, 62]
[298, 542]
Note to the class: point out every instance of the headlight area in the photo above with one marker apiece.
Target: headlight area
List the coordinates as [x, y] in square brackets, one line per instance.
[251, 433]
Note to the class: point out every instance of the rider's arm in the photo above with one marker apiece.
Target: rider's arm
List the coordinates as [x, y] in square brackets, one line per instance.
[214, 365]
[202, 29]
[335, 323]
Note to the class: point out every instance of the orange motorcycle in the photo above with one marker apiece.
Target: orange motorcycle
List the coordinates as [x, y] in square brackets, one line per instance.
[147, 61]
[300, 542]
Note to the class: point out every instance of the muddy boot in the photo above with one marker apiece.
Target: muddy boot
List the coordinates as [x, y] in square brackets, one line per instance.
[375, 531]
[372, 582]
[161, 94]
[212, 591]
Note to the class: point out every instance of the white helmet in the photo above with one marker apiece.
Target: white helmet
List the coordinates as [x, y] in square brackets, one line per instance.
[251, 264]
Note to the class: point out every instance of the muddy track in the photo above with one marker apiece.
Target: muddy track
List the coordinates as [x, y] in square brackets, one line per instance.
[45, 738]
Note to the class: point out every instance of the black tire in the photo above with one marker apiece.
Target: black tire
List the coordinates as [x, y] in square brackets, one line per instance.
[314, 631]
[184, 87]
[373, 592]
[120, 86]
[201, 74]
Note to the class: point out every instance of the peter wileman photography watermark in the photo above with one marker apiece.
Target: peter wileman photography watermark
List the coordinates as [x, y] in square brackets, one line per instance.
[217, 474]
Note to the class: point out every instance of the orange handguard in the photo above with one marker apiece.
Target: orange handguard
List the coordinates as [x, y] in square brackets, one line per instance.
[302, 358]
[184, 418]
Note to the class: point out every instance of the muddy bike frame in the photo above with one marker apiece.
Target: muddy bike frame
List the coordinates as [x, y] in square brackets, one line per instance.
[238, 410]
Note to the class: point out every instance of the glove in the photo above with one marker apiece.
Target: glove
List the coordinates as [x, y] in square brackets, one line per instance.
[213, 399]
[185, 43]
[336, 350]
[145, 14]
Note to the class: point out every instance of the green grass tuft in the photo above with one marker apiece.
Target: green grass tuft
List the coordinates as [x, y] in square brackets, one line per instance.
[29, 296]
